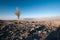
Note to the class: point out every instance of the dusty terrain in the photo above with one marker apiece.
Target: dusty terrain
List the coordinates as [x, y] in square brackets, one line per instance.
[29, 30]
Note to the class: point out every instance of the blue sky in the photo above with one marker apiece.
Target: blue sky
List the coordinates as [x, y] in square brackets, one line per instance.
[29, 8]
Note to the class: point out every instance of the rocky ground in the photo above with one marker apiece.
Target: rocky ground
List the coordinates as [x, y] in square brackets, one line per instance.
[25, 30]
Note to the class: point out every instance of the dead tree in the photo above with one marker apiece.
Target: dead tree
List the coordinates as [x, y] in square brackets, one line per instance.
[18, 14]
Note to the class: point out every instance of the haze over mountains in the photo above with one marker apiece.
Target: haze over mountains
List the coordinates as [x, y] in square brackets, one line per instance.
[43, 18]
[36, 18]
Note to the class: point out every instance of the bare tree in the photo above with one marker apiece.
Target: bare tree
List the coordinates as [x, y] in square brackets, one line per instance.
[17, 14]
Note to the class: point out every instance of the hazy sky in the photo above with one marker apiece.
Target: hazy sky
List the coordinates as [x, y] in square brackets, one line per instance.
[29, 8]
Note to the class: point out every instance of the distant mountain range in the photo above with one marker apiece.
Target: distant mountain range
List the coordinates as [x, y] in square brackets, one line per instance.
[39, 18]
[43, 18]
